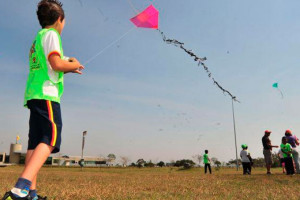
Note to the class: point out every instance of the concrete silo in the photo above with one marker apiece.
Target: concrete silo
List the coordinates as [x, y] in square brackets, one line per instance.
[15, 153]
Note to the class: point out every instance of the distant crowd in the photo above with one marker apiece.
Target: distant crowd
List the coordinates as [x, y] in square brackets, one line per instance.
[287, 153]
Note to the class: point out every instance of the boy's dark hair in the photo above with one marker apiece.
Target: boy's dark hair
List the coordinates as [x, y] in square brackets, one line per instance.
[49, 11]
[206, 151]
[283, 138]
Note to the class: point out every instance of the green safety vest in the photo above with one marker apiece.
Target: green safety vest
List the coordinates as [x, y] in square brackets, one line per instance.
[38, 72]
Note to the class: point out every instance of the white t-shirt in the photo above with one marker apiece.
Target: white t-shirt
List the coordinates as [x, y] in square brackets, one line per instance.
[244, 156]
[280, 153]
[51, 46]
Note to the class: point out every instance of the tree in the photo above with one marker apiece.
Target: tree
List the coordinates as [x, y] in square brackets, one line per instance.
[184, 163]
[111, 158]
[218, 163]
[276, 160]
[124, 160]
[161, 164]
[258, 162]
[149, 164]
[199, 158]
[140, 162]
[233, 162]
[214, 160]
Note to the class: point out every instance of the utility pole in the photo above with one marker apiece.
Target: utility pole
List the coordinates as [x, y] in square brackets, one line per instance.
[234, 129]
[81, 163]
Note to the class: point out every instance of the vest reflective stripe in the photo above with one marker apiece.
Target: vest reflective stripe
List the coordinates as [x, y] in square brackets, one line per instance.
[38, 77]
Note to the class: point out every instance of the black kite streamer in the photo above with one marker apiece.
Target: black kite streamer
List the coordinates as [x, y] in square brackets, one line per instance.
[200, 61]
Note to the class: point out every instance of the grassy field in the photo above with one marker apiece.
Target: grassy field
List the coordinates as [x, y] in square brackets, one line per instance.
[157, 183]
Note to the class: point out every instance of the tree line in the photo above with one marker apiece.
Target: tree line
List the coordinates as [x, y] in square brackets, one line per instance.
[188, 163]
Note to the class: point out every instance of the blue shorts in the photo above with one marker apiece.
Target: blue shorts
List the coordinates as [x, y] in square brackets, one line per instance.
[45, 124]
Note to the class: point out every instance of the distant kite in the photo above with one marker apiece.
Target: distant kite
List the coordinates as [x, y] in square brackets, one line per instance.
[275, 85]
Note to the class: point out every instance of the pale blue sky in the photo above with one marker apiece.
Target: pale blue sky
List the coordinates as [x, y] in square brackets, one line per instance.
[142, 98]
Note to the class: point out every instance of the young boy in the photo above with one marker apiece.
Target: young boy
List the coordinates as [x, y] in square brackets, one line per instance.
[206, 162]
[246, 160]
[280, 155]
[42, 96]
[286, 148]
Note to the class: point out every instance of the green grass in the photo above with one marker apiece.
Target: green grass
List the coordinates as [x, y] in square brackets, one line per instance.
[157, 183]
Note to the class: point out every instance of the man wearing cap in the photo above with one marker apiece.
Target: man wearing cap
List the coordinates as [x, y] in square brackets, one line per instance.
[268, 150]
[294, 142]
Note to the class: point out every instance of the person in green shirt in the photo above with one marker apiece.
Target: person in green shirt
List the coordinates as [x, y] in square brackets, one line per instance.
[45, 86]
[286, 149]
[206, 162]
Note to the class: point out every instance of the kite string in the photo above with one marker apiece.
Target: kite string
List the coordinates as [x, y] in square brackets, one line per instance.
[196, 58]
[108, 46]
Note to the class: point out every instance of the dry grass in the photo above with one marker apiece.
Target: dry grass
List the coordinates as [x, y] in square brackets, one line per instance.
[157, 183]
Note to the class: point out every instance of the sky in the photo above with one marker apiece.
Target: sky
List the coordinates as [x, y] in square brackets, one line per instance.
[143, 98]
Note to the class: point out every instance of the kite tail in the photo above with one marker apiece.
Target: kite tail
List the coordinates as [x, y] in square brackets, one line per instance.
[200, 61]
[280, 93]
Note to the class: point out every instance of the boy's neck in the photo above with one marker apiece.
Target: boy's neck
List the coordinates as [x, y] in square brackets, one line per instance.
[53, 27]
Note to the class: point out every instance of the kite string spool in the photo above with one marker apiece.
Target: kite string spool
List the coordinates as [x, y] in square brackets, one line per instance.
[108, 46]
[196, 58]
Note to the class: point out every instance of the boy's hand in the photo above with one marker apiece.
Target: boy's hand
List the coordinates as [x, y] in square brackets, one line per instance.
[74, 60]
[79, 69]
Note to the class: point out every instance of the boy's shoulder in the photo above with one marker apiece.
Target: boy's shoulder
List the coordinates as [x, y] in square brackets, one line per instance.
[51, 33]
[48, 33]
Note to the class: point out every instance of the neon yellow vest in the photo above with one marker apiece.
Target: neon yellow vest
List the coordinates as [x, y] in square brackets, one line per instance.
[38, 73]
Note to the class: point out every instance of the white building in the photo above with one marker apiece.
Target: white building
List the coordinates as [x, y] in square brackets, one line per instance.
[74, 161]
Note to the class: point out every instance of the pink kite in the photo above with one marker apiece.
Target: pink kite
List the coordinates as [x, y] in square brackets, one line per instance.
[147, 19]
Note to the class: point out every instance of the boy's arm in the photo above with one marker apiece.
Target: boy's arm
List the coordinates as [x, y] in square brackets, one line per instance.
[58, 64]
[248, 155]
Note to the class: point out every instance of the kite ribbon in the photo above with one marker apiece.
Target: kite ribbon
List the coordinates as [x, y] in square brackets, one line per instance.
[200, 61]
[108, 46]
[280, 93]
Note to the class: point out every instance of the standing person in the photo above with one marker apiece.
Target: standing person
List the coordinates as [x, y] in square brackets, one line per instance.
[246, 159]
[268, 150]
[280, 155]
[294, 142]
[286, 148]
[44, 89]
[206, 160]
